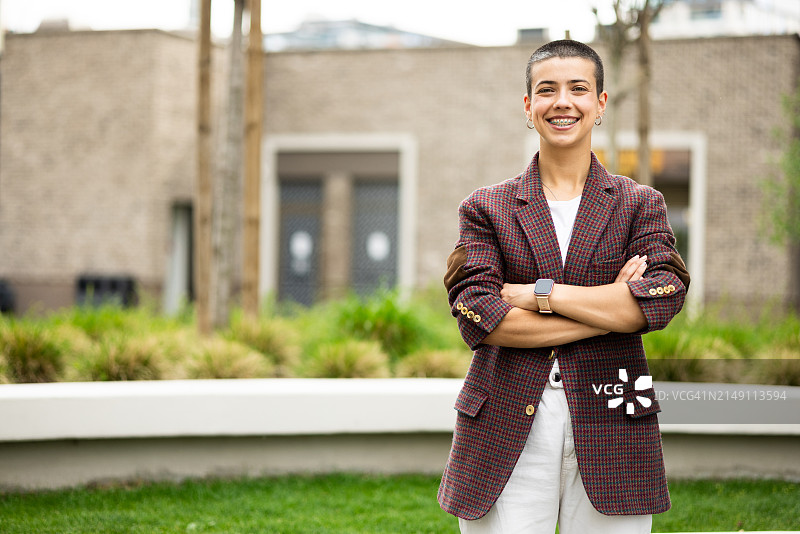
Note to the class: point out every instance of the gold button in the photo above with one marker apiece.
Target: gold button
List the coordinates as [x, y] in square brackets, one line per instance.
[653, 291]
[470, 314]
[459, 306]
[529, 409]
[552, 354]
[671, 287]
[477, 318]
[667, 290]
[464, 311]
[660, 290]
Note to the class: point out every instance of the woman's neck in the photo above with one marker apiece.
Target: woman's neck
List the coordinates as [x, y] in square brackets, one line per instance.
[564, 171]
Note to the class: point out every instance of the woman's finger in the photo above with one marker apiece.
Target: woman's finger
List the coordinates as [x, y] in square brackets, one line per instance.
[631, 268]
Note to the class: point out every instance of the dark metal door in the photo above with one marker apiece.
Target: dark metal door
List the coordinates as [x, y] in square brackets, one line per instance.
[301, 208]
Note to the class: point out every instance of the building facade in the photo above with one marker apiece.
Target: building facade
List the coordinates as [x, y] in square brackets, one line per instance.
[366, 157]
[713, 18]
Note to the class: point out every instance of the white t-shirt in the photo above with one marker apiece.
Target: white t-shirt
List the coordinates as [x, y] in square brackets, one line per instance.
[564, 213]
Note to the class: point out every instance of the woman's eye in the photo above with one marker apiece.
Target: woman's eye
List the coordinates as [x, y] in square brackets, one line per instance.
[579, 88]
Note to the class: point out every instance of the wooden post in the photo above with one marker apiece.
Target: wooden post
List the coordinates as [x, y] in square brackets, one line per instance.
[644, 174]
[203, 195]
[253, 106]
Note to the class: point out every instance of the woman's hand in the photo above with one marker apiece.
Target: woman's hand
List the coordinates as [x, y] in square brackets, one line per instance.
[633, 269]
[520, 296]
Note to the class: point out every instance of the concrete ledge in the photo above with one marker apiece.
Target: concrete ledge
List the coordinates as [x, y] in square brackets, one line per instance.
[177, 408]
[70, 434]
[97, 410]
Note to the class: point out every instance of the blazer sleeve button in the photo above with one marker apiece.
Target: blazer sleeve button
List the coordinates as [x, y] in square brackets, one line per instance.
[470, 314]
[660, 290]
[653, 291]
[477, 318]
[529, 409]
[459, 306]
[671, 287]
[464, 311]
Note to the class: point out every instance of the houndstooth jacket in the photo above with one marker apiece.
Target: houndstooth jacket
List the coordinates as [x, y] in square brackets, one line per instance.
[507, 235]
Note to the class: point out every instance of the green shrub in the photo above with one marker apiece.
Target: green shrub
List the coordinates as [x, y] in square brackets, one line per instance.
[381, 317]
[222, 358]
[435, 364]
[29, 353]
[349, 359]
[97, 322]
[101, 321]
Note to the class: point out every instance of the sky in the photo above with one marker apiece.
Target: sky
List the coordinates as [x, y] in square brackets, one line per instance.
[492, 23]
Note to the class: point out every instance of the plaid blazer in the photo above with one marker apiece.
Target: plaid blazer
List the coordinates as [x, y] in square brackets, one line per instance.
[507, 235]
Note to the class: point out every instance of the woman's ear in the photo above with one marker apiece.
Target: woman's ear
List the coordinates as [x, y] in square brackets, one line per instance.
[602, 100]
[527, 105]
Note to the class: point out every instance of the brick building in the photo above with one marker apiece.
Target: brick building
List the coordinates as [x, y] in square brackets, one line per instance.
[367, 155]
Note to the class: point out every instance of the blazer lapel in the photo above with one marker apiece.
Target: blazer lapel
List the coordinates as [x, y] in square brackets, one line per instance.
[537, 223]
[594, 212]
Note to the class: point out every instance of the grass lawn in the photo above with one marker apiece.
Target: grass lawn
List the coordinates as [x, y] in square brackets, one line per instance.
[349, 503]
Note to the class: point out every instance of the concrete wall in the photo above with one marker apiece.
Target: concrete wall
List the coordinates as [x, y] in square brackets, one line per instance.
[62, 435]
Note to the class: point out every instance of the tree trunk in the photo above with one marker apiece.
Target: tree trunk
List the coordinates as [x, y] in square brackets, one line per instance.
[252, 163]
[203, 198]
[228, 188]
[617, 38]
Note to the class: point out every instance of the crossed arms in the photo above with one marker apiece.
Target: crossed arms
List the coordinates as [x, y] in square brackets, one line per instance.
[579, 312]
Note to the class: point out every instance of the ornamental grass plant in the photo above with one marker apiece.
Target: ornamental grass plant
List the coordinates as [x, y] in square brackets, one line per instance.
[118, 357]
[223, 358]
[29, 353]
[277, 338]
[350, 358]
[442, 363]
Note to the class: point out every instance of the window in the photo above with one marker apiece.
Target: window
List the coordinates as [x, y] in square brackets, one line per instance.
[705, 9]
[671, 176]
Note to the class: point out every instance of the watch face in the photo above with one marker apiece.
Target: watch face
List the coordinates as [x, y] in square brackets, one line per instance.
[543, 286]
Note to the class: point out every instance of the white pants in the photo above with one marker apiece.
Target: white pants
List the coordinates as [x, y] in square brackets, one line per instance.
[545, 487]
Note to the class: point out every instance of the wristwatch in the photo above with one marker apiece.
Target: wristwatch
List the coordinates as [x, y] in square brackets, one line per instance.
[542, 290]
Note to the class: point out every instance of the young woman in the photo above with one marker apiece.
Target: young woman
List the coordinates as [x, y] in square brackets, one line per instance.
[556, 275]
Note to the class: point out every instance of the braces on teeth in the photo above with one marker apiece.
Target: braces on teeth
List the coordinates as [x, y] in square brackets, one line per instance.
[563, 122]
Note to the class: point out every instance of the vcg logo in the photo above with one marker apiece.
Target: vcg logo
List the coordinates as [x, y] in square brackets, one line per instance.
[642, 383]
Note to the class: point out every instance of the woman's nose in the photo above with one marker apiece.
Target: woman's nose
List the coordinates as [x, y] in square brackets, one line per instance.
[563, 100]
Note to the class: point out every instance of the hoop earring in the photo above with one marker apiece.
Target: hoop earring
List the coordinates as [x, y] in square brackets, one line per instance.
[598, 121]
[530, 125]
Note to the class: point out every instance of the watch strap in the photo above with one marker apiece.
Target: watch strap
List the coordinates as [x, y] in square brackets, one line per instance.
[543, 301]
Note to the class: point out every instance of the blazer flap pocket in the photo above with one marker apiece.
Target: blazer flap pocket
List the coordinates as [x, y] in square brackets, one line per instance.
[470, 401]
[643, 403]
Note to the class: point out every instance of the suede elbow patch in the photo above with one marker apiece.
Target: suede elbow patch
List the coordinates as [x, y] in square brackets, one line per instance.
[678, 268]
[455, 267]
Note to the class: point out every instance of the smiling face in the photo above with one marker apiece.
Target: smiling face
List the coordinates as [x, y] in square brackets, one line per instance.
[564, 102]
